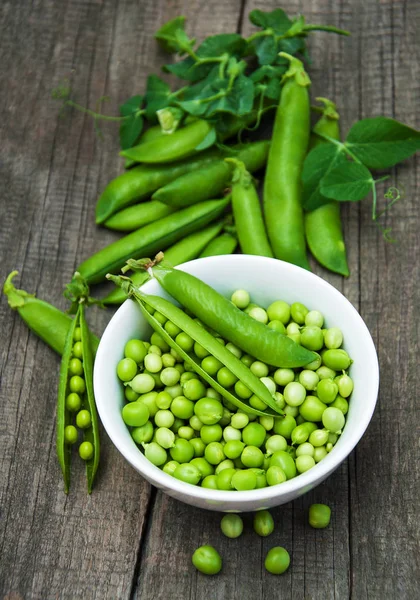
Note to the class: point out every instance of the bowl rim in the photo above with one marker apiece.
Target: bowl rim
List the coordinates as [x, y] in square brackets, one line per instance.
[308, 479]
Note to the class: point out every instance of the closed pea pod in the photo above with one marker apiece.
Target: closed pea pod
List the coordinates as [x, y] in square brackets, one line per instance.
[323, 227]
[197, 333]
[218, 313]
[150, 239]
[282, 187]
[223, 244]
[247, 212]
[172, 147]
[213, 178]
[138, 215]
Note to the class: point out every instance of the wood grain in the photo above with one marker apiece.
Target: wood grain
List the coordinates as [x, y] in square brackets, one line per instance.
[126, 540]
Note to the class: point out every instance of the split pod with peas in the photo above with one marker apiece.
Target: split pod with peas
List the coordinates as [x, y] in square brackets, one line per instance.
[218, 313]
[153, 306]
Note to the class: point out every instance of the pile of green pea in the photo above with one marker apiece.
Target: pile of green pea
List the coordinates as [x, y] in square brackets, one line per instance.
[194, 434]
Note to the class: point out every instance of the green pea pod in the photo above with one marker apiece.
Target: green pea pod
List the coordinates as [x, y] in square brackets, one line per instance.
[224, 244]
[207, 341]
[138, 215]
[44, 319]
[212, 178]
[150, 239]
[63, 416]
[282, 186]
[184, 250]
[91, 434]
[175, 146]
[218, 313]
[153, 133]
[140, 182]
[323, 229]
[247, 212]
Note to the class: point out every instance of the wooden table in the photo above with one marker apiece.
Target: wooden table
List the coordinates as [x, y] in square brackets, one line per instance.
[127, 540]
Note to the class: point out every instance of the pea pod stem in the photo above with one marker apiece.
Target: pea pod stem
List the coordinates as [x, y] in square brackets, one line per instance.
[45, 320]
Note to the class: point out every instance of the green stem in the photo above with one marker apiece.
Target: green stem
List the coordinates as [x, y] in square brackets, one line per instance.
[375, 215]
[329, 28]
[341, 145]
[96, 115]
[259, 34]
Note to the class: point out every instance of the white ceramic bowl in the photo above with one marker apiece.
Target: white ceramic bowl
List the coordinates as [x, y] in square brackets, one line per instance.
[267, 280]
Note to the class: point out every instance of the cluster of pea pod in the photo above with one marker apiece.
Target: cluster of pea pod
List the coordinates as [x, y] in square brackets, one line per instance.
[165, 196]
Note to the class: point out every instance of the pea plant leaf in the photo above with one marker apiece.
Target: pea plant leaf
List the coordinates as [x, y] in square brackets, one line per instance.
[157, 96]
[188, 69]
[380, 143]
[275, 19]
[132, 126]
[173, 38]
[266, 50]
[348, 181]
[318, 163]
[222, 43]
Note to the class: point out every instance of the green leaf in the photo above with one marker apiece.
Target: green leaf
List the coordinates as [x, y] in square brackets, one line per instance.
[266, 49]
[208, 141]
[130, 130]
[131, 106]
[275, 19]
[172, 37]
[292, 45]
[189, 70]
[157, 96]
[238, 101]
[318, 163]
[268, 72]
[349, 181]
[381, 143]
[222, 43]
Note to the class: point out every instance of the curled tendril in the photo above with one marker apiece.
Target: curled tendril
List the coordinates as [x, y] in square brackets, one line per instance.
[393, 194]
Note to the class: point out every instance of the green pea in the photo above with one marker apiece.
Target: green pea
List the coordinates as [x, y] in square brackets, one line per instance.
[168, 360]
[314, 317]
[341, 404]
[163, 400]
[226, 378]
[86, 450]
[233, 448]
[263, 523]
[333, 419]
[275, 475]
[77, 334]
[194, 389]
[267, 422]
[70, 434]
[170, 467]
[76, 367]
[73, 402]
[160, 318]
[84, 420]
[332, 438]
[284, 376]
[315, 364]
[143, 434]
[226, 417]
[256, 403]
[197, 443]
[305, 448]
[277, 560]
[292, 411]
[247, 360]
[253, 435]
[230, 433]
[184, 341]
[279, 311]
[135, 414]
[258, 314]
[169, 376]
[304, 462]
[186, 432]
[309, 379]
[283, 460]
[318, 437]
[176, 356]
[208, 410]
[130, 395]
[319, 516]
[244, 480]
[210, 482]
[231, 525]
[277, 326]
[234, 349]
[239, 420]
[149, 400]
[269, 384]
[252, 456]
[345, 385]
[320, 452]
[165, 437]
[188, 473]
[312, 409]
[298, 312]
[327, 391]
[284, 426]
[174, 390]
[77, 350]
[199, 351]
[224, 479]
[142, 383]
[182, 451]
[207, 560]
[275, 443]
[333, 338]
[195, 423]
[135, 350]
[157, 340]
[211, 433]
[279, 400]
[211, 393]
[202, 465]
[294, 393]
[225, 464]
[214, 453]
[338, 360]
[325, 373]
[292, 328]
[77, 384]
[302, 432]
[172, 329]
[261, 478]
[312, 338]
[153, 363]
[164, 418]
[182, 408]
[241, 298]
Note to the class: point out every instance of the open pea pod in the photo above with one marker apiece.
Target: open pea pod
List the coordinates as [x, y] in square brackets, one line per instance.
[63, 416]
[207, 341]
[91, 434]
